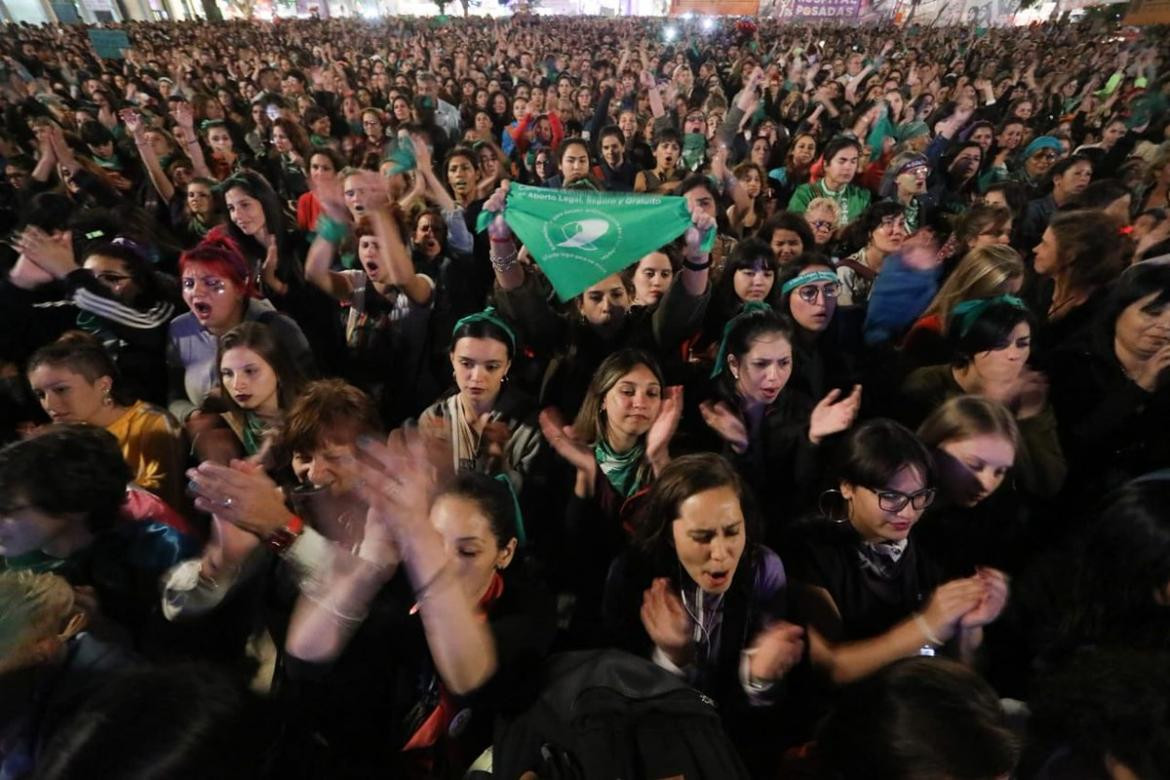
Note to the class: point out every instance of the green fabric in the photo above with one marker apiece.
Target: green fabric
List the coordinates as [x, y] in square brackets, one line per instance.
[881, 129]
[402, 155]
[578, 238]
[254, 431]
[621, 468]
[329, 229]
[694, 147]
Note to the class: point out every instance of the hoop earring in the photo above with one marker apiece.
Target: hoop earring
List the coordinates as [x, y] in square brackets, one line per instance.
[826, 509]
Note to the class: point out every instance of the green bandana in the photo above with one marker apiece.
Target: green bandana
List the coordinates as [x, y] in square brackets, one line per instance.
[578, 238]
[968, 313]
[694, 147]
[402, 155]
[621, 469]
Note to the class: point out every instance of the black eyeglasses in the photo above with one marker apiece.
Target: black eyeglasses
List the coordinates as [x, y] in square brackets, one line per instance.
[895, 501]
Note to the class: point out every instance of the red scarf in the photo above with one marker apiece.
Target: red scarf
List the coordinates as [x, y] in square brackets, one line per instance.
[436, 724]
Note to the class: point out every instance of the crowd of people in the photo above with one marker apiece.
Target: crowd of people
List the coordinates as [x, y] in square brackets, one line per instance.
[863, 475]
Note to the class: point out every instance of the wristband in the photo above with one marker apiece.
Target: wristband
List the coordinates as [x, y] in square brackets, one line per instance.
[926, 632]
[693, 266]
[283, 538]
[331, 230]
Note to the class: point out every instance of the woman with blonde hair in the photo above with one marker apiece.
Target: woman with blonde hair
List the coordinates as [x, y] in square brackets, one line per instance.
[822, 215]
[983, 273]
[978, 518]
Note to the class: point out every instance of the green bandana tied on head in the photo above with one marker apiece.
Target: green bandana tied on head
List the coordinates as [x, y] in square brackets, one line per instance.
[750, 309]
[967, 313]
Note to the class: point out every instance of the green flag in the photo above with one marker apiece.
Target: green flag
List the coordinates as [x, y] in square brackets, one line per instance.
[579, 237]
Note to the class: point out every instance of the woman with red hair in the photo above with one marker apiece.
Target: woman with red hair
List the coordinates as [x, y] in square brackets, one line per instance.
[220, 290]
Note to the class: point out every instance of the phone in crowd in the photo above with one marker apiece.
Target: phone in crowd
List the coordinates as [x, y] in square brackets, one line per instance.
[273, 113]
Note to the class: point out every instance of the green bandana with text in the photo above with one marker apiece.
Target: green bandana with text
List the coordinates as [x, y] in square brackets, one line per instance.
[579, 237]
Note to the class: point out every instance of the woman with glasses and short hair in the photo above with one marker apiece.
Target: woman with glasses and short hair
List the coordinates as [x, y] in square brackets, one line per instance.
[868, 594]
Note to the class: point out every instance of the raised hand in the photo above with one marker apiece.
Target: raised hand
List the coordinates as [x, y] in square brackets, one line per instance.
[775, 651]
[52, 254]
[834, 414]
[400, 479]
[184, 115]
[564, 440]
[664, 426]
[995, 594]
[726, 423]
[701, 222]
[950, 602]
[666, 622]
[240, 493]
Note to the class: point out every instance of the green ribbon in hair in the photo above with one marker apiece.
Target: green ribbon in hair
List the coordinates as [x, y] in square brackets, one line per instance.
[750, 309]
[488, 315]
[521, 535]
[967, 313]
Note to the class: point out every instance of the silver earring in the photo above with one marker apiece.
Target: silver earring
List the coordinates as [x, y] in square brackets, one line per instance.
[735, 375]
[825, 505]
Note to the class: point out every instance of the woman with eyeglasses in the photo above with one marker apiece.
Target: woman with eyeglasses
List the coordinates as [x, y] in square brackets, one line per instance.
[823, 358]
[869, 594]
[769, 432]
[991, 342]
[822, 216]
[541, 167]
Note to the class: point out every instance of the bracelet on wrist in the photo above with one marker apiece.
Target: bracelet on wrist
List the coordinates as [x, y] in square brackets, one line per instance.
[924, 627]
[280, 540]
[702, 263]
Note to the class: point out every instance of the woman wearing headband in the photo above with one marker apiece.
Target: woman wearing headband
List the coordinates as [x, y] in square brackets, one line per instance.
[767, 431]
[822, 358]
[491, 425]
[991, 340]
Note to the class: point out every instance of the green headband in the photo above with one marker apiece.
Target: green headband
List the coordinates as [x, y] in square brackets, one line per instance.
[487, 315]
[750, 309]
[967, 313]
[521, 536]
[809, 278]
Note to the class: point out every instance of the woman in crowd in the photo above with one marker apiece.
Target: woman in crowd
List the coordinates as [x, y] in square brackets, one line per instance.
[880, 231]
[700, 596]
[447, 618]
[748, 276]
[991, 342]
[869, 593]
[491, 426]
[76, 381]
[219, 289]
[257, 383]
[275, 249]
[977, 518]
[822, 215]
[1078, 255]
[794, 173]
[651, 278]
[823, 359]
[788, 234]
[841, 161]
[1111, 386]
[768, 433]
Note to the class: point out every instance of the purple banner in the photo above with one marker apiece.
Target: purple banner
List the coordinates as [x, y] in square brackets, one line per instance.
[814, 9]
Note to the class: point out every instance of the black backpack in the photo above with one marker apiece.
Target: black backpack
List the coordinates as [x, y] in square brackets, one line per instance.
[610, 715]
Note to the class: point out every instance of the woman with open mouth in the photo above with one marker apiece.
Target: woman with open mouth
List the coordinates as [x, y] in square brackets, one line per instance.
[768, 433]
[700, 596]
[808, 291]
[220, 292]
